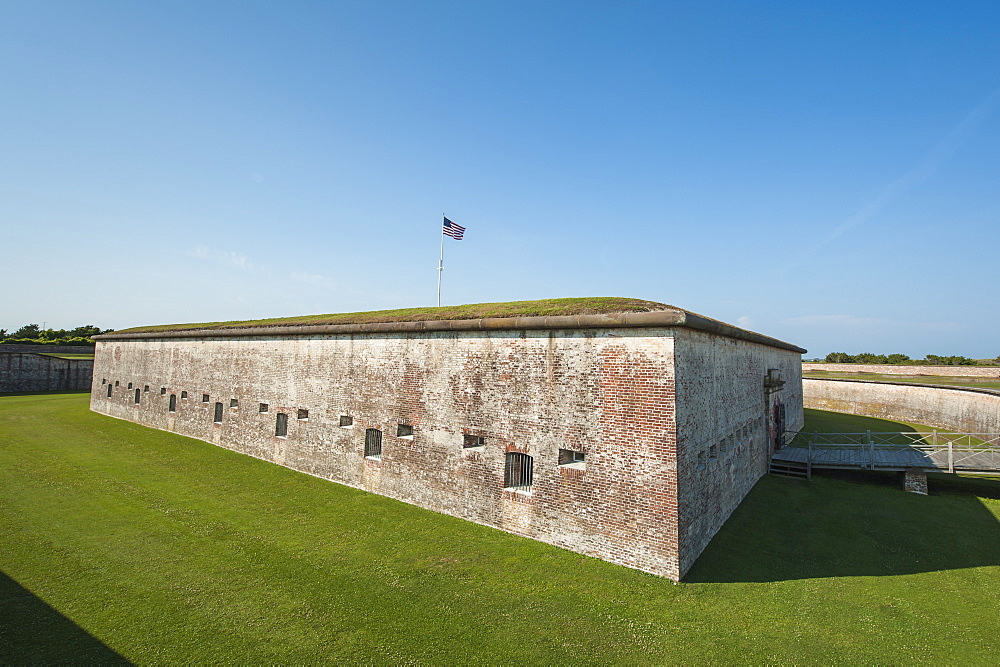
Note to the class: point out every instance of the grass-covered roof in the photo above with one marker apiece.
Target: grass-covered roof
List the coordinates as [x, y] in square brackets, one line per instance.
[543, 307]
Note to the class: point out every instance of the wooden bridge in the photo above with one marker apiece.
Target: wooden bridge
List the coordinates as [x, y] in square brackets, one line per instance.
[977, 453]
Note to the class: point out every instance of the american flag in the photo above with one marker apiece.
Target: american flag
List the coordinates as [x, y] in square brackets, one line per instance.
[451, 229]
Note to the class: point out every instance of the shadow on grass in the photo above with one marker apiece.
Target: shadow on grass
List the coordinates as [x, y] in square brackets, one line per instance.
[850, 524]
[32, 632]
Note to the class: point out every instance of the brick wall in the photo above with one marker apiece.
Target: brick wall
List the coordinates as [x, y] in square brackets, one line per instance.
[37, 372]
[612, 394]
[723, 419]
[608, 394]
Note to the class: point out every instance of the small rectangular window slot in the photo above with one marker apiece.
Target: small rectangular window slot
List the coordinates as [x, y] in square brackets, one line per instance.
[234, 403]
[117, 384]
[346, 420]
[173, 403]
[570, 458]
[204, 398]
[109, 390]
[104, 380]
[473, 442]
[129, 385]
[302, 415]
[145, 389]
[137, 395]
[404, 431]
[184, 394]
[163, 391]
[262, 408]
[218, 413]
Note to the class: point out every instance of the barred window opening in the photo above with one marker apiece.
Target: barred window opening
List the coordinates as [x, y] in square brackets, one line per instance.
[218, 413]
[346, 420]
[373, 443]
[173, 403]
[138, 393]
[281, 425]
[517, 472]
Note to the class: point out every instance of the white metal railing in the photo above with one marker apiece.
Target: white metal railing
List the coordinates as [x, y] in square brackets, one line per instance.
[872, 450]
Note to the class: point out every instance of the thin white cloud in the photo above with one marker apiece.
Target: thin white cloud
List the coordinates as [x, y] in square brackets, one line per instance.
[852, 323]
[923, 170]
[224, 257]
[744, 322]
[314, 279]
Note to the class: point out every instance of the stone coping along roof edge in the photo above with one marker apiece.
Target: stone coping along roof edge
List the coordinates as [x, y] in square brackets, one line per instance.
[667, 318]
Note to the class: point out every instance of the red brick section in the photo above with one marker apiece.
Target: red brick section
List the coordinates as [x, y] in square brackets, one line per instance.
[637, 461]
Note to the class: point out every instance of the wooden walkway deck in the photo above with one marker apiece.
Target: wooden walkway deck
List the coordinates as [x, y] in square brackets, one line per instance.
[978, 453]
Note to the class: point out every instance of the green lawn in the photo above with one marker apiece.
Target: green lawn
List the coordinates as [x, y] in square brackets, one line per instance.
[119, 542]
[473, 311]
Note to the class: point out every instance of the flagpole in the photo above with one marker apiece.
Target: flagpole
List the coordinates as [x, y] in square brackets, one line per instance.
[440, 263]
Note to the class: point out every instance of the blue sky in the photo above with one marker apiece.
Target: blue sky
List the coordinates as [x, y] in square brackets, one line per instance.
[826, 173]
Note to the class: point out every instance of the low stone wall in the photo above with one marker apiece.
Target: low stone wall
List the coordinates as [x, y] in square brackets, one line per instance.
[38, 372]
[960, 409]
[954, 371]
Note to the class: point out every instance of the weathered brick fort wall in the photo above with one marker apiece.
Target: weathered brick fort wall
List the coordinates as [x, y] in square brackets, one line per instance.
[38, 372]
[619, 397]
[959, 409]
[725, 427]
[890, 369]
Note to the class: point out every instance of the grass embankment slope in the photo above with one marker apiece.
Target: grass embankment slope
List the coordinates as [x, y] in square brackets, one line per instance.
[67, 355]
[122, 542]
[570, 306]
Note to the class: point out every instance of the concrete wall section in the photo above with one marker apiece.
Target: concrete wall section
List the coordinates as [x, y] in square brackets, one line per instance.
[38, 372]
[954, 371]
[723, 414]
[606, 393]
[954, 409]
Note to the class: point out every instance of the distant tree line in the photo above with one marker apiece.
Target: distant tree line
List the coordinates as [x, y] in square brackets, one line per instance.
[32, 334]
[929, 360]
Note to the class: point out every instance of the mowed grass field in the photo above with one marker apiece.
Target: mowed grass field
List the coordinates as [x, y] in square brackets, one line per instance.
[122, 543]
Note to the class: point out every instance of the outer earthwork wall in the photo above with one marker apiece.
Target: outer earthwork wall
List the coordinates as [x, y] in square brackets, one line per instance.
[959, 409]
[891, 369]
[39, 372]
